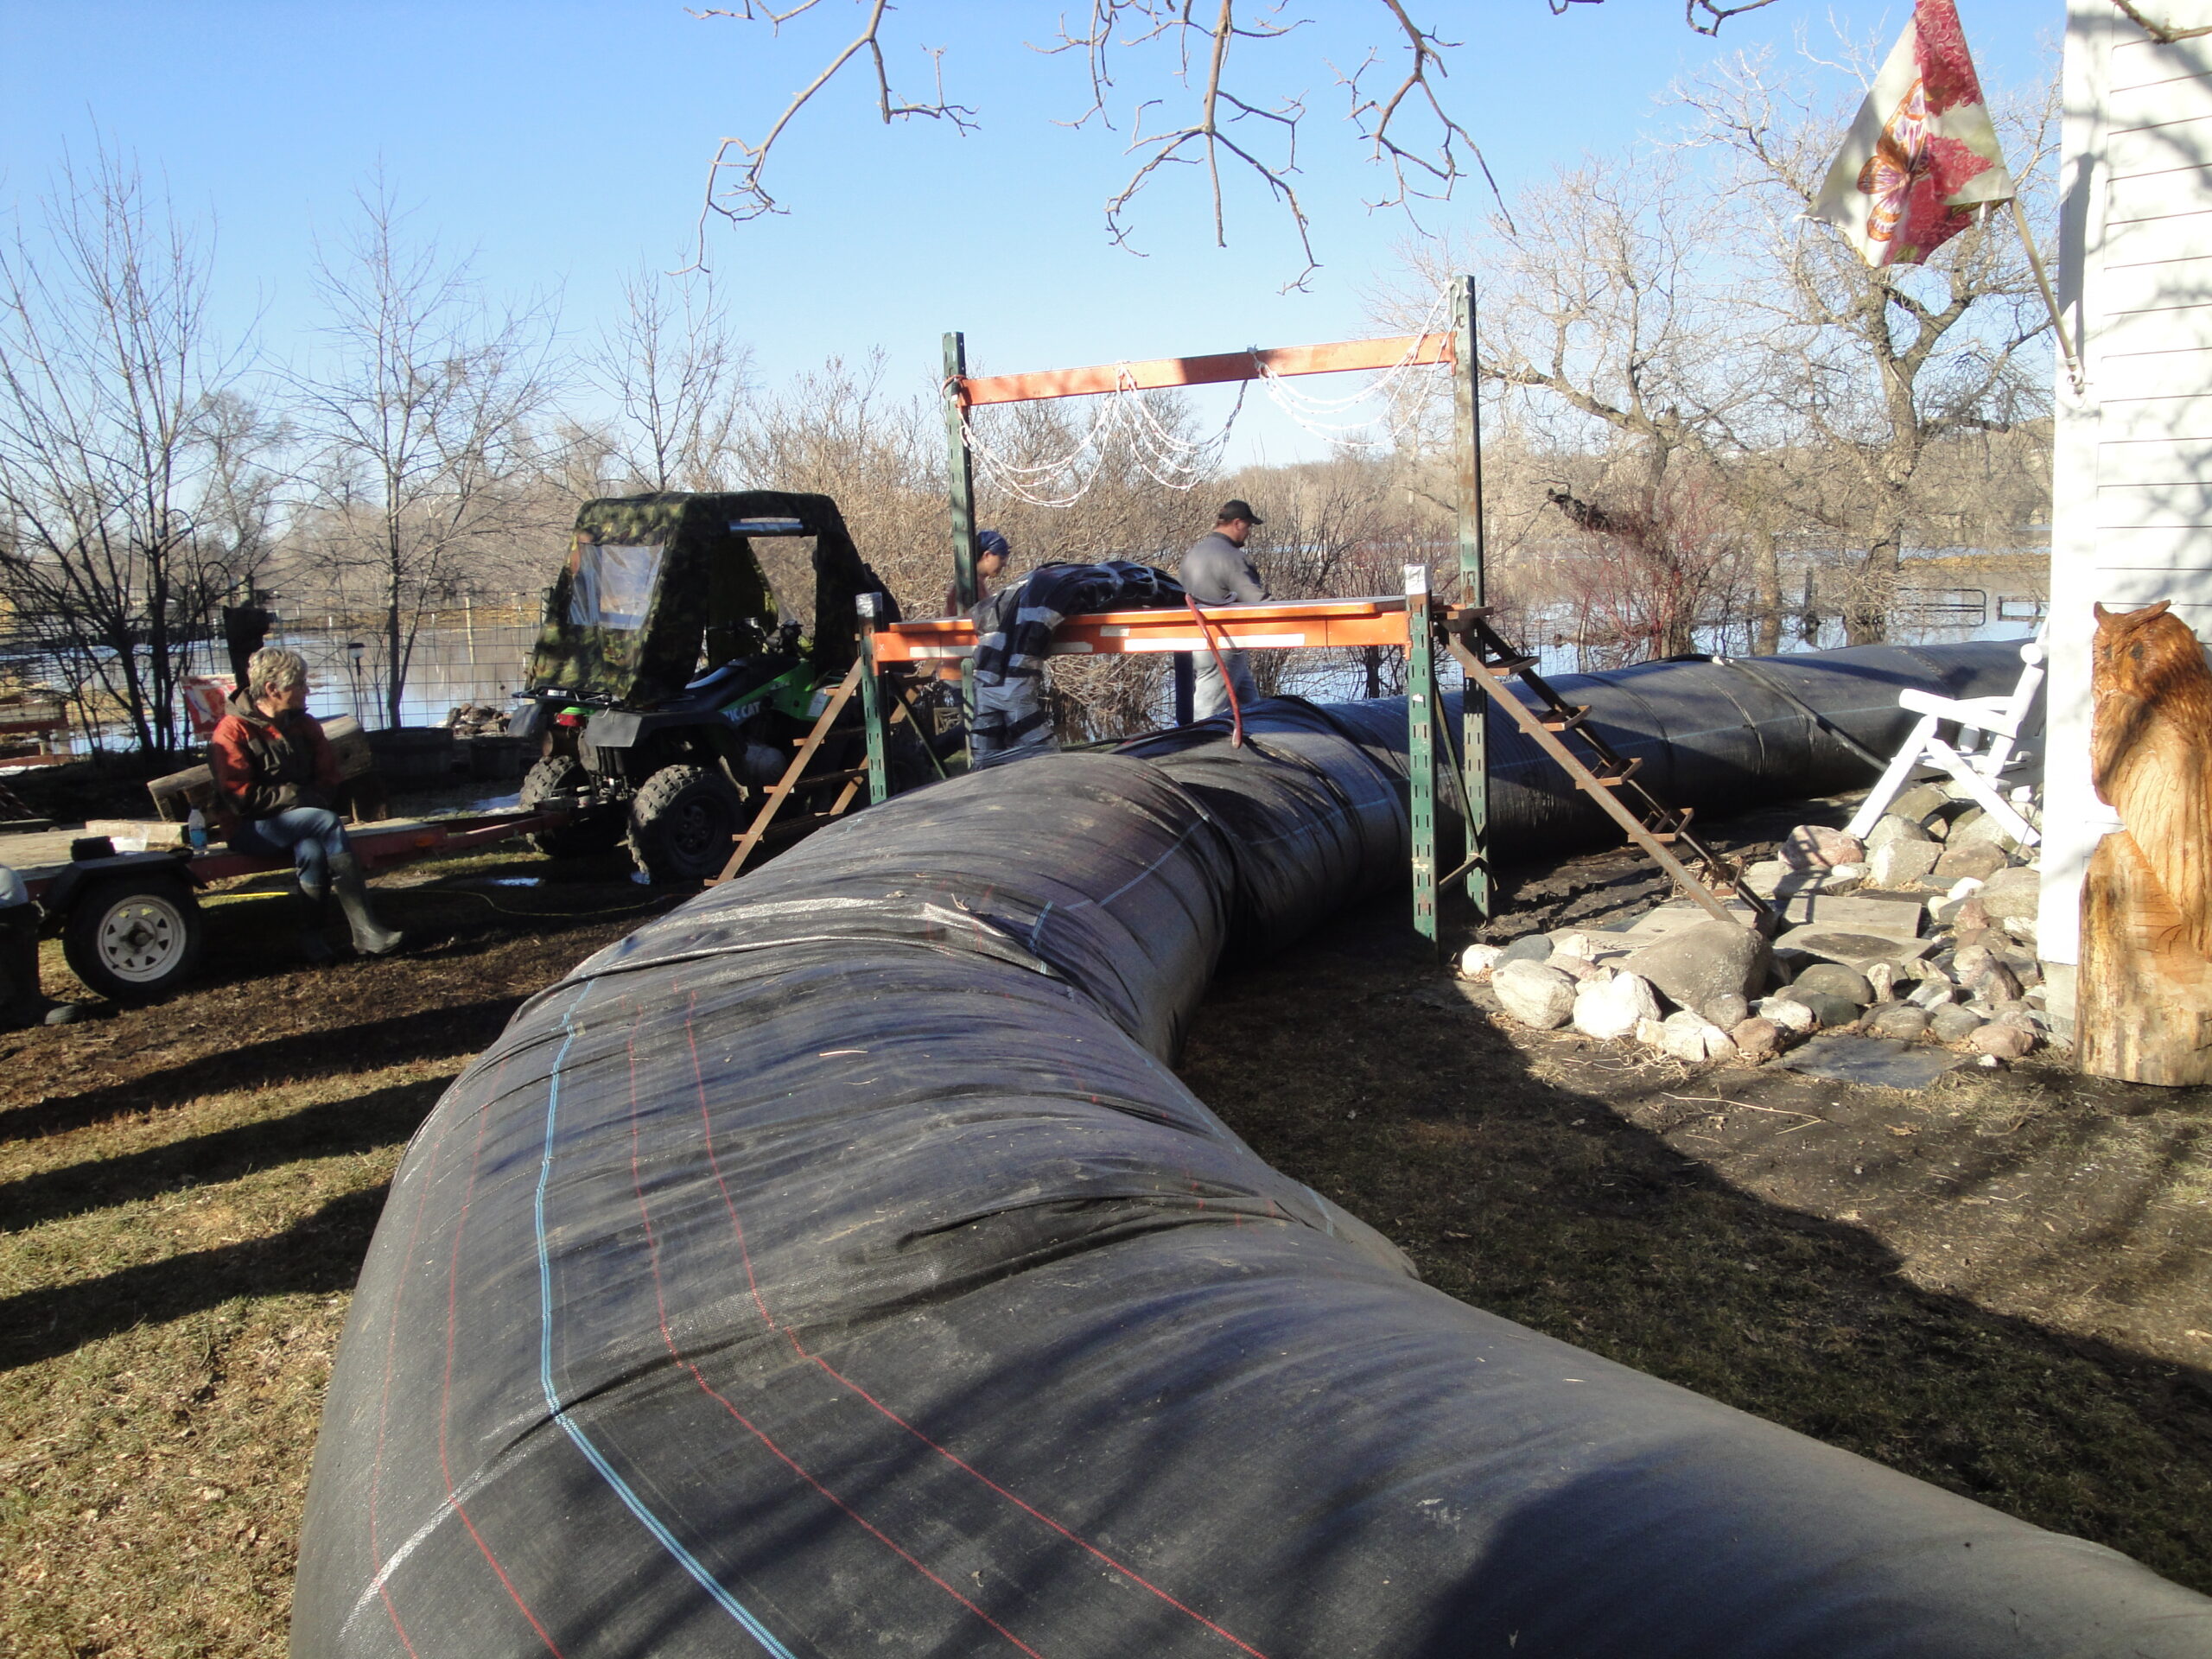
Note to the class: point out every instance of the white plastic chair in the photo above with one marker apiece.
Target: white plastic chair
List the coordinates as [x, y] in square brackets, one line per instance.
[1975, 757]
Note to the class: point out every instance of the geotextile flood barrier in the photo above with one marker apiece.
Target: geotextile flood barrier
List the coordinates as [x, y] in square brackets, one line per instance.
[835, 1267]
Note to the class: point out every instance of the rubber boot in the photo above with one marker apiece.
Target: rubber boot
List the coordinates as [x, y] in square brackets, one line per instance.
[371, 936]
[22, 1003]
[309, 902]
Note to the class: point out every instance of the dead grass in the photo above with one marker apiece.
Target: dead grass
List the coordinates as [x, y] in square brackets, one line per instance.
[185, 1194]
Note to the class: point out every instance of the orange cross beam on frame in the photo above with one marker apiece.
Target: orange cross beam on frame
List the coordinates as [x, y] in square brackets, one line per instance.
[1155, 373]
[1310, 623]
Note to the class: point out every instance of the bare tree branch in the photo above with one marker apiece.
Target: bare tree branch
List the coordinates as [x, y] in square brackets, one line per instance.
[1712, 12]
[1427, 170]
[2158, 32]
[746, 196]
[1376, 117]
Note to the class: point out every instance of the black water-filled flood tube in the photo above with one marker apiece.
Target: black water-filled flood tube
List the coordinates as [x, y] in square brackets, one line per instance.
[835, 1267]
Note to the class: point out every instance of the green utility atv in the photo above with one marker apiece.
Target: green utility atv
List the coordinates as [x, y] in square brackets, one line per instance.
[690, 641]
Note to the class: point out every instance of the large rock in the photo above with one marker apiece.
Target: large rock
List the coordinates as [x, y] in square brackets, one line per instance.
[1817, 847]
[1954, 1024]
[1757, 1040]
[1693, 1037]
[1827, 1010]
[1922, 802]
[2012, 894]
[1982, 859]
[2005, 1042]
[1892, 828]
[1900, 1020]
[1609, 1009]
[1855, 950]
[1530, 947]
[1477, 961]
[1533, 994]
[1725, 1009]
[1933, 993]
[1786, 1014]
[1901, 862]
[1696, 964]
[1986, 830]
[1572, 942]
[1834, 979]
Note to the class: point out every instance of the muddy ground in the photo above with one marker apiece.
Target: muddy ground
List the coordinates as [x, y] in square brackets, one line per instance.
[1999, 1284]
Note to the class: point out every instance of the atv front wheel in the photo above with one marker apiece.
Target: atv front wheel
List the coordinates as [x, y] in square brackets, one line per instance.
[557, 781]
[683, 823]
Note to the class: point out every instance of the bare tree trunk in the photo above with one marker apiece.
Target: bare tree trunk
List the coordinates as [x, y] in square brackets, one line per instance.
[1766, 586]
[1874, 585]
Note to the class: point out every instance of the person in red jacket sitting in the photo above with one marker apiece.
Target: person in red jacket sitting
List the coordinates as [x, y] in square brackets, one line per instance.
[275, 780]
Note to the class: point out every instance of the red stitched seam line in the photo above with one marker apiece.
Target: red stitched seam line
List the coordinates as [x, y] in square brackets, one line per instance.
[660, 1309]
[745, 1254]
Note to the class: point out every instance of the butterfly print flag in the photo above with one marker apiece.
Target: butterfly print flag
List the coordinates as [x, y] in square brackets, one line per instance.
[1921, 158]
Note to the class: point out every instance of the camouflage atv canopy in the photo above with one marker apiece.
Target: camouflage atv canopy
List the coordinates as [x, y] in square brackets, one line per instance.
[652, 580]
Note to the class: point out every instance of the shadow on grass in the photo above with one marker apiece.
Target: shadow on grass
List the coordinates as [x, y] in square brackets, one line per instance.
[318, 1253]
[383, 1117]
[433, 1033]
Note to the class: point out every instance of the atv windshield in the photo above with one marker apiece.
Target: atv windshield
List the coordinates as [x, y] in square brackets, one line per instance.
[787, 561]
[611, 585]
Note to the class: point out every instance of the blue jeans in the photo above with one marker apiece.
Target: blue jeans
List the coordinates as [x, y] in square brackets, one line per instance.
[1207, 698]
[313, 834]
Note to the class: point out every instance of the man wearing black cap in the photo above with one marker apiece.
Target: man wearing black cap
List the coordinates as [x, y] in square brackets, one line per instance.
[1218, 571]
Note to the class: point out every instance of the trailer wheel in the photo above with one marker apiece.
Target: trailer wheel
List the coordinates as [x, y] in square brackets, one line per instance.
[560, 777]
[133, 938]
[682, 822]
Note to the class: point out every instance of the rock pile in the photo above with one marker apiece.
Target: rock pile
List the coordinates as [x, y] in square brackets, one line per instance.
[1958, 968]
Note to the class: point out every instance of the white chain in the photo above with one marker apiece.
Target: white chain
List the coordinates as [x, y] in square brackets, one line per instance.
[1309, 411]
[1168, 460]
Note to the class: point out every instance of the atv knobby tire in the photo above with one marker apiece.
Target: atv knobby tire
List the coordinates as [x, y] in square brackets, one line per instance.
[683, 823]
[560, 777]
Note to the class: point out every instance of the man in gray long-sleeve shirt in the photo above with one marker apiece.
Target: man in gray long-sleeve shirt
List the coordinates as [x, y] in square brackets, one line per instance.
[1218, 571]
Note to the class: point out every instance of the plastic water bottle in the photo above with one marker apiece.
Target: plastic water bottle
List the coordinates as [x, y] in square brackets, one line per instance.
[195, 830]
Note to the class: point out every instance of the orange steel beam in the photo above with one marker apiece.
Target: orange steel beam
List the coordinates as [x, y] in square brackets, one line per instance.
[1310, 623]
[1156, 372]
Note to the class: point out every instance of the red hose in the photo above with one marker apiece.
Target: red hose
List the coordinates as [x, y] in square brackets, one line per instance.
[1228, 687]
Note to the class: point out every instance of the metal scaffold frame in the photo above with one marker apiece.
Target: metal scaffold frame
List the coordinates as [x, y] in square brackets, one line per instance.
[1453, 348]
[1415, 624]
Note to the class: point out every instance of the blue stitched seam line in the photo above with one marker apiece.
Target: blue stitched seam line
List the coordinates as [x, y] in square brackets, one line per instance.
[691, 1564]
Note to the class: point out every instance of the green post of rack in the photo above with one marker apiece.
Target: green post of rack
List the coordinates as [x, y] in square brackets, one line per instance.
[879, 748]
[1421, 748]
[960, 471]
[1474, 702]
[960, 485]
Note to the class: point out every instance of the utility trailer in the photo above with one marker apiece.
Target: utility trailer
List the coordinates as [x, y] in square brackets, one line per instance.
[131, 923]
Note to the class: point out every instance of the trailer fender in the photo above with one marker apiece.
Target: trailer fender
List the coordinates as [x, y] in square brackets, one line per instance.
[61, 890]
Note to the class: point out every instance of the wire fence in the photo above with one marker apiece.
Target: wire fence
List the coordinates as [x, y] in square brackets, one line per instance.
[474, 653]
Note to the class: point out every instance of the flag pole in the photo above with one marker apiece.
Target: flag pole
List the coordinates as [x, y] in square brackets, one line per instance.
[2050, 300]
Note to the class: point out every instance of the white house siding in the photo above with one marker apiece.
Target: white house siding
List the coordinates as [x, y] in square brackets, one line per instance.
[2132, 492]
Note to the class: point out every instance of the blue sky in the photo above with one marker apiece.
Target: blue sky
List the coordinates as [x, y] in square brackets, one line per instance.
[564, 140]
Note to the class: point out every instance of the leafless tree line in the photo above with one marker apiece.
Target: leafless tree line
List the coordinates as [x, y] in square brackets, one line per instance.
[1692, 380]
